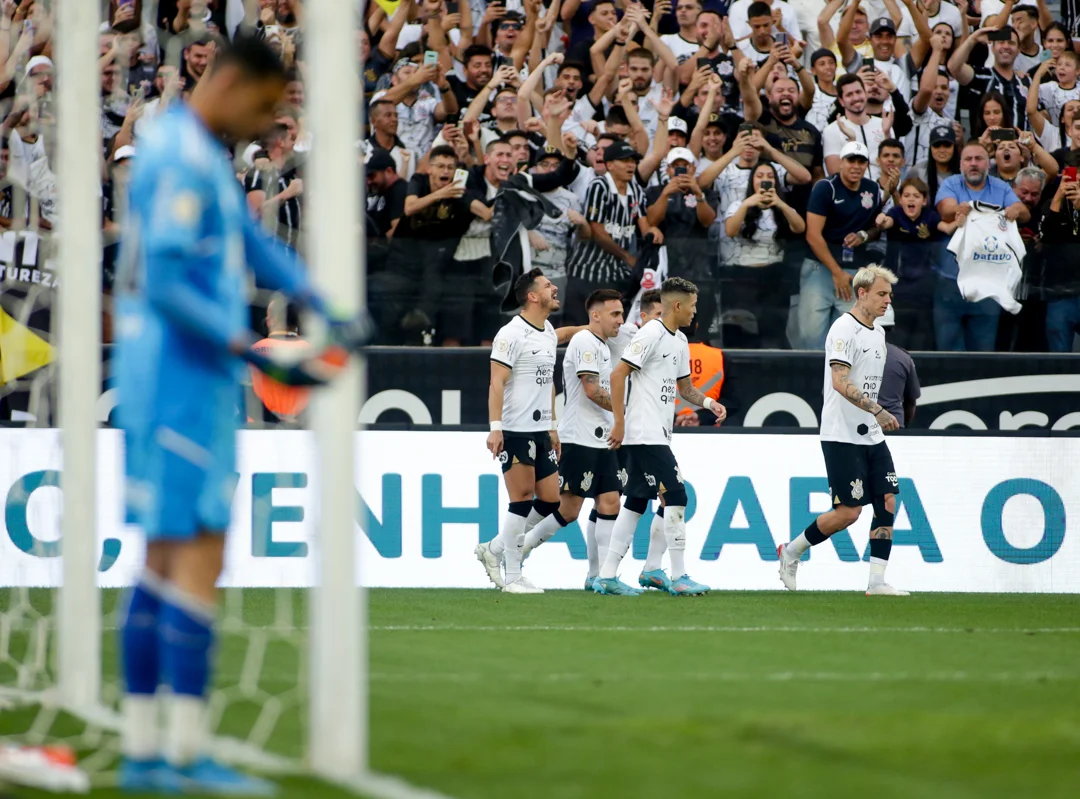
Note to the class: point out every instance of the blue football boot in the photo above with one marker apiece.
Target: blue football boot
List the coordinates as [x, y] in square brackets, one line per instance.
[684, 586]
[656, 578]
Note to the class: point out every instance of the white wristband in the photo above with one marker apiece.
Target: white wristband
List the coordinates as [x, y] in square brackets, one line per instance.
[708, 404]
[496, 426]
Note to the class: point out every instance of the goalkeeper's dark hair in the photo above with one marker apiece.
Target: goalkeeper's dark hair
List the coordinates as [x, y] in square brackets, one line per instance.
[677, 285]
[600, 296]
[524, 284]
[253, 57]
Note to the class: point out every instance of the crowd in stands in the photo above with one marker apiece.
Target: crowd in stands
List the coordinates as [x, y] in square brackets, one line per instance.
[764, 149]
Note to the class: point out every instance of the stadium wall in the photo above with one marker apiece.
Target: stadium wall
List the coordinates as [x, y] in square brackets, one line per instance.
[975, 514]
[433, 388]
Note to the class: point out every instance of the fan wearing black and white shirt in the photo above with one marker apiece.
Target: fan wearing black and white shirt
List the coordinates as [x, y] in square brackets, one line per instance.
[929, 105]
[853, 425]
[654, 368]
[521, 407]
[587, 468]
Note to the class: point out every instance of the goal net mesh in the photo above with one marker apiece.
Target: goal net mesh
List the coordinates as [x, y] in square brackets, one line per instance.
[258, 707]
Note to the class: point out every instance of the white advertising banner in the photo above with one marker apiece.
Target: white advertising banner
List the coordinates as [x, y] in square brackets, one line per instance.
[975, 514]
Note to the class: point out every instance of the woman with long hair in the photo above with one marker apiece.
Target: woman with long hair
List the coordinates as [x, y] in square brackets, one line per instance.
[757, 228]
[991, 113]
[944, 160]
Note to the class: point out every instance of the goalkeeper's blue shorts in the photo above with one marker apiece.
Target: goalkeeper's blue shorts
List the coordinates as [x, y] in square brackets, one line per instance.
[180, 462]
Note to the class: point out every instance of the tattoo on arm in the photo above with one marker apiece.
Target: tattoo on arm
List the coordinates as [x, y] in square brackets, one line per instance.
[883, 533]
[852, 393]
[596, 392]
[689, 392]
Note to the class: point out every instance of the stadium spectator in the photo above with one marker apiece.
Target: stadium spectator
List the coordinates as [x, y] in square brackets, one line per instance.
[1060, 280]
[839, 219]
[960, 325]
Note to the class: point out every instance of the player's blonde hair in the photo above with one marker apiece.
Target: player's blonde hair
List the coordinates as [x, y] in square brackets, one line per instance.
[866, 276]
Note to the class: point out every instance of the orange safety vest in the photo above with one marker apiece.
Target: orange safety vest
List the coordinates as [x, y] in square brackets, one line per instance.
[706, 372]
[281, 400]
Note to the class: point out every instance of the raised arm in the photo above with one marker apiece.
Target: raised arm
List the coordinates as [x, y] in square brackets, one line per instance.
[922, 28]
[712, 172]
[824, 23]
[843, 34]
[929, 77]
[1035, 116]
[958, 61]
[388, 43]
[524, 41]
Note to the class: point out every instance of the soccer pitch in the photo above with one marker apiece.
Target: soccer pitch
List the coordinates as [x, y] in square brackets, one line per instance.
[567, 695]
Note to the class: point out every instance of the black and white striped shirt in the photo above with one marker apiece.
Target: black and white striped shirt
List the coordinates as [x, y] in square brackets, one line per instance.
[619, 215]
[290, 212]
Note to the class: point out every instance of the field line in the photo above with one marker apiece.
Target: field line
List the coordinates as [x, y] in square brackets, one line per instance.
[572, 628]
[384, 786]
[740, 677]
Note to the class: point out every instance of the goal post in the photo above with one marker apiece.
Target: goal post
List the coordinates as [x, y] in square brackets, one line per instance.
[338, 678]
[79, 339]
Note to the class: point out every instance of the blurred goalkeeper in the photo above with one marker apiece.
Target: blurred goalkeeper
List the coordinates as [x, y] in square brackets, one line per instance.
[182, 343]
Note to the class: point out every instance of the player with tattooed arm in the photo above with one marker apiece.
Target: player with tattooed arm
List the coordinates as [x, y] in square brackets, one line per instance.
[653, 369]
[853, 425]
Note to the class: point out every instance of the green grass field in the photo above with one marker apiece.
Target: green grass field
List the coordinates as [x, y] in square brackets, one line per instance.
[569, 695]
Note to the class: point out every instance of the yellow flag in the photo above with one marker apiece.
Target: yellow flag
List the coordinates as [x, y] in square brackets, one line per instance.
[21, 350]
[389, 6]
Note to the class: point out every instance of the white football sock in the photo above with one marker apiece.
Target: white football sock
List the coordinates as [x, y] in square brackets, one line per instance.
[591, 548]
[533, 519]
[657, 545]
[622, 534]
[185, 729]
[877, 571]
[140, 738]
[675, 532]
[797, 546]
[513, 541]
[547, 527]
[603, 540]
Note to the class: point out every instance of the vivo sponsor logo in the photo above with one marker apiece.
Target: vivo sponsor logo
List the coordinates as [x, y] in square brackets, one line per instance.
[806, 416]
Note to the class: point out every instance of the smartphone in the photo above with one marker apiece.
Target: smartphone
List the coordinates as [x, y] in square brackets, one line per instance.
[453, 119]
[430, 57]
[872, 67]
[1068, 174]
[681, 170]
[746, 126]
[704, 62]
[1003, 134]
[766, 185]
[1002, 35]
[781, 39]
[122, 3]
[461, 177]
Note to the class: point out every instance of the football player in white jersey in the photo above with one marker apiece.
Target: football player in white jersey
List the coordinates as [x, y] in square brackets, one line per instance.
[853, 425]
[657, 363]
[521, 410]
[587, 468]
[648, 309]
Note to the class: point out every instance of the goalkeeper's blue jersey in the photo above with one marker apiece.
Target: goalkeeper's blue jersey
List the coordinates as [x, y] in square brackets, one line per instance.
[181, 298]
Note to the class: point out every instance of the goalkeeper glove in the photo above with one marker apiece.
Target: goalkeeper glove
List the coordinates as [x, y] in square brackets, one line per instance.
[299, 367]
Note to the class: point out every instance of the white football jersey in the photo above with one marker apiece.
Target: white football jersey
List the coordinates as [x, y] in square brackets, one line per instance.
[583, 421]
[861, 348]
[622, 340]
[529, 353]
[660, 358]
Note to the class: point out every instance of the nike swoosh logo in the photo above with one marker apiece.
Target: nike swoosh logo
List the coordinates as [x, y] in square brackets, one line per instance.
[867, 350]
[534, 352]
[837, 202]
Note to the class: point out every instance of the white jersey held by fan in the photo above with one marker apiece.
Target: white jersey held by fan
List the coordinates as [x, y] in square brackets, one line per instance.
[989, 252]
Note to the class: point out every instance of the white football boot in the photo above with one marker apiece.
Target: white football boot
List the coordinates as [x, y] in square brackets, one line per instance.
[521, 586]
[789, 565]
[884, 589]
[490, 561]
